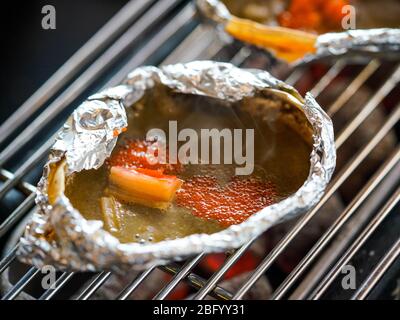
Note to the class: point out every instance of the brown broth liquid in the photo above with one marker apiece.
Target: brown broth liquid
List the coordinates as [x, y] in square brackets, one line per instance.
[281, 157]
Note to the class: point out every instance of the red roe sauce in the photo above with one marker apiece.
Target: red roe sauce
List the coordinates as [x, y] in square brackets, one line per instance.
[202, 195]
[135, 154]
[230, 204]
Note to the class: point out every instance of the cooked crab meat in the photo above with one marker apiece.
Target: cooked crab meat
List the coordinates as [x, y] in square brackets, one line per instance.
[144, 186]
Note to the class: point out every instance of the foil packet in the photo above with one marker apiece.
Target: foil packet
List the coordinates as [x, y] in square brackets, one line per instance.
[59, 235]
[382, 41]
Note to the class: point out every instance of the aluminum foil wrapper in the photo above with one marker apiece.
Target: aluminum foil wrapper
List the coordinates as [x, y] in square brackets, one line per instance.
[360, 41]
[88, 138]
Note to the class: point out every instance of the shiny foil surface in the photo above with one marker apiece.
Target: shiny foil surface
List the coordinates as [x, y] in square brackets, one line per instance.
[59, 235]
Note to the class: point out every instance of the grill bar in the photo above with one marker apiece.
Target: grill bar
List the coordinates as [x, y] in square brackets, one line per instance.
[131, 11]
[202, 44]
[8, 259]
[134, 284]
[335, 184]
[382, 92]
[18, 213]
[386, 210]
[332, 231]
[332, 73]
[60, 283]
[26, 167]
[356, 84]
[212, 282]
[295, 76]
[94, 285]
[178, 277]
[240, 57]
[378, 272]
[24, 187]
[198, 282]
[148, 20]
[21, 284]
[346, 236]
[153, 45]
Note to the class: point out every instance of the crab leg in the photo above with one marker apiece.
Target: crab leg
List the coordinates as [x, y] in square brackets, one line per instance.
[287, 44]
[144, 186]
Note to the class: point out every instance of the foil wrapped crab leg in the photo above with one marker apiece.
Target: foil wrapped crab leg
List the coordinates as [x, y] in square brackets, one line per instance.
[293, 45]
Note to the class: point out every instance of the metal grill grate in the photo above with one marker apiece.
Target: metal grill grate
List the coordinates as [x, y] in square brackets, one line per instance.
[169, 23]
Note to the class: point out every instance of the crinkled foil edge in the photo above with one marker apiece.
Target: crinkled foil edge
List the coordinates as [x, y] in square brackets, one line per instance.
[88, 138]
[358, 41]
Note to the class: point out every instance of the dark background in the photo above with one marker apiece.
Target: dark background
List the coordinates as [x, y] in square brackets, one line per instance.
[30, 55]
